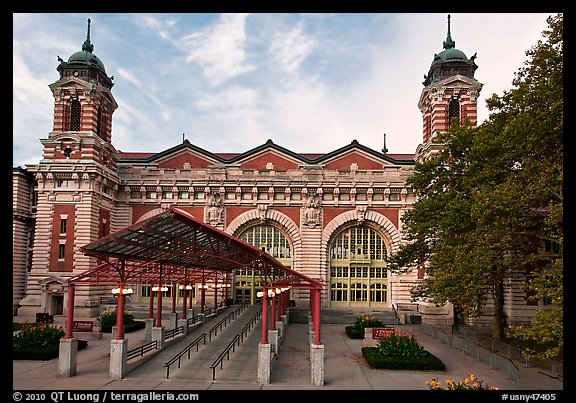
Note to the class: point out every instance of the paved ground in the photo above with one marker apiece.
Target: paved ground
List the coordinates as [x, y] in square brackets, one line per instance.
[345, 368]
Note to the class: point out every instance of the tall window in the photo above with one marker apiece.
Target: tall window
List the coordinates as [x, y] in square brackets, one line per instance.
[274, 242]
[75, 114]
[270, 239]
[453, 111]
[62, 251]
[358, 274]
[99, 121]
[63, 225]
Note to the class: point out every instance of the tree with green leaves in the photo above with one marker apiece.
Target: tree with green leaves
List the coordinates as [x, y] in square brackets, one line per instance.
[490, 202]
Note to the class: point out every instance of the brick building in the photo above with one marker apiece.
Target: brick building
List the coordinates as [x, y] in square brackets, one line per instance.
[331, 216]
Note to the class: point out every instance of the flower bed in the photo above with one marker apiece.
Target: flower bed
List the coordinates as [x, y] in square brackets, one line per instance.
[470, 383]
[363, 321]
[39, 341]
[399, 350]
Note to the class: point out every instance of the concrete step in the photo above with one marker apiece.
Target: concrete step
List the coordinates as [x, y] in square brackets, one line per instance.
[344, 315]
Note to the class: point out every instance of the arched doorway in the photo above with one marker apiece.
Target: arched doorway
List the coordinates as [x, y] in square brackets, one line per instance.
[358, 274]
[271, 240]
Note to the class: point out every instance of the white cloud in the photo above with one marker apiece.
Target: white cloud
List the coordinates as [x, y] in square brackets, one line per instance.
[289, 49]
[219, 50]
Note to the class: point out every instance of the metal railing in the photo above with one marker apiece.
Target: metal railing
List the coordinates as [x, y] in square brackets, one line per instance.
[227, 319]
[173, 332]
[232, 345]
[185, 350]
[482, 354]
[194, 319]
[141, 350]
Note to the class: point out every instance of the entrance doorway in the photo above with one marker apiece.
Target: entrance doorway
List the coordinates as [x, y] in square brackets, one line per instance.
[57, 305]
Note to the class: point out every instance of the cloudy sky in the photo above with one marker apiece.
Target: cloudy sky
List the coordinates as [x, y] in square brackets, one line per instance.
[311, 83]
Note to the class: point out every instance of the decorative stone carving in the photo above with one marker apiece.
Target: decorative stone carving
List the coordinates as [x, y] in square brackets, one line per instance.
[361, 212]
[214, 211]
[262, 211]
[311, 210]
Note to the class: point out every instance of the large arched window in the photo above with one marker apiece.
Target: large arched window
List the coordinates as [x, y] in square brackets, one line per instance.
[358, 274]
[271, 240]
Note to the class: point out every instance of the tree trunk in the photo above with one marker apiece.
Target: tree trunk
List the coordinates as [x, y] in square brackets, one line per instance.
[498, 323]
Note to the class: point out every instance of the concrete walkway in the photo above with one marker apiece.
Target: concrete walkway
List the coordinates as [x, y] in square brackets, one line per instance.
[345, 368]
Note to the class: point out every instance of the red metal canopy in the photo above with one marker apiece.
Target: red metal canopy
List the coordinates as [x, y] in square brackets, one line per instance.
[174, 246]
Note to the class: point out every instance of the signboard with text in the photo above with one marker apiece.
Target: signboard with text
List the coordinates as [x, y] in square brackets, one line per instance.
[83, 326]
[379, 332]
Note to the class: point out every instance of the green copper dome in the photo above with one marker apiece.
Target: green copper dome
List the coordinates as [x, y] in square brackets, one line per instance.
[451, 54]
[85, 56]
[450, 62]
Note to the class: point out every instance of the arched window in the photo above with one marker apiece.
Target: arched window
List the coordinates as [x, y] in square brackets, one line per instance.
[358, 274]
[271, 240]
[453, 111]
[75, 115]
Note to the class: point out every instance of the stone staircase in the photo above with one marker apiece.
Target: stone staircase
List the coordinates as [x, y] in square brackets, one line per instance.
[343, 315]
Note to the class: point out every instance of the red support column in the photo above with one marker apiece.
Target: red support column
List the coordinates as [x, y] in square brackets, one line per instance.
[202, 297]
[151, 307]
[184, 299]
[173, 297]
[273, 309]
[159, 306]
[316, 316]
[70, 315]
[279, 305]
[312, 311]
[264, 339]
[216, 291]
[192, 294]
[120, 314]
[202, 294]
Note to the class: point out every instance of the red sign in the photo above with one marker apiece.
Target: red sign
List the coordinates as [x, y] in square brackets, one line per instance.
[379, 332]
[83, 326]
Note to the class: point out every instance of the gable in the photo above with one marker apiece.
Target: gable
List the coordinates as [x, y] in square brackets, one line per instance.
[345, 161]
[178, 161]
[263, 161]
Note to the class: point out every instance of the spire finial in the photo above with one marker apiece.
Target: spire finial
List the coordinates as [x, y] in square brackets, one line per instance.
[449, 43]
[87, 46]
[384, 149]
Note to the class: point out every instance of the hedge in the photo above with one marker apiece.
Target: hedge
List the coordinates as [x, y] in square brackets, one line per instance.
[376, 360]
[42, 353]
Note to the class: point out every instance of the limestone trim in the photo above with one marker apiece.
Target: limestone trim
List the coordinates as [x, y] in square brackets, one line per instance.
[149, 214]
[388, 230]
[282, 219]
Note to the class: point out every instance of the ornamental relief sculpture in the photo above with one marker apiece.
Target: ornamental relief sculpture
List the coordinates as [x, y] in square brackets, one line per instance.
[311, 214]
[214, 210]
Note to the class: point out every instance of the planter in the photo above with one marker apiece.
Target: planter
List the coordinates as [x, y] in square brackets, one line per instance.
[427, 363]
[354, 332]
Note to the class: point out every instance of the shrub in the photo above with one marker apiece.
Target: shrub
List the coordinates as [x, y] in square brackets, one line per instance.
[354, 332]
[400, 344]
[428, 362]
[399, 350]
[38, 341]
[108, 318]
[363, 321]
[37, 335]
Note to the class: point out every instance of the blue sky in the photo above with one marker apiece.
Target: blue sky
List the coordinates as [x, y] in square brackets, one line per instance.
[309, 82]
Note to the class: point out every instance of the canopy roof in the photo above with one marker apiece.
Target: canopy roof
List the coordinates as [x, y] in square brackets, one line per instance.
[175, 247]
